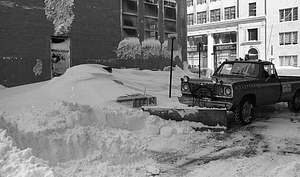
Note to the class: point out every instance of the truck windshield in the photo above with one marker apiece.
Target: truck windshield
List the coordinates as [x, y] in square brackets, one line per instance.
[243, 69]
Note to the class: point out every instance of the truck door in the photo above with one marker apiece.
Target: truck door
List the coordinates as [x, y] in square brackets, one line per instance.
[271, 85]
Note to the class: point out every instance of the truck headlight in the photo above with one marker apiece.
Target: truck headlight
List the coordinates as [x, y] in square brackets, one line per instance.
[228, 91]
[185, 79]
[185, 87]
[214, 80]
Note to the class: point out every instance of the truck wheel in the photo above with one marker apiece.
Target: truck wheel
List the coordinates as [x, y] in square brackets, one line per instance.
[294, 103]
[244, 112]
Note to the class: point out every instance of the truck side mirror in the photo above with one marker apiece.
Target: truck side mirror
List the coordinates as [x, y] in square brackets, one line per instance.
[273, 76]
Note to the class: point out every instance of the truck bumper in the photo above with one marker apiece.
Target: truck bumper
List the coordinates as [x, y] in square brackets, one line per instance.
[204, 103]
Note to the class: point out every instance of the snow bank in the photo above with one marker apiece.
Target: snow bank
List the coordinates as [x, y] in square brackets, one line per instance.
[88, 134]
[291, 169]
[2, 87]
[15, 162]
[66, 132]
[85, 82]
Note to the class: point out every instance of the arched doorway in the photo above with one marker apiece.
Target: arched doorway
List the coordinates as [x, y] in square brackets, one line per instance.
[253, 54]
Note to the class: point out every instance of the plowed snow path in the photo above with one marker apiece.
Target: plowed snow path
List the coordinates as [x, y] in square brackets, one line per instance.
[270, 146]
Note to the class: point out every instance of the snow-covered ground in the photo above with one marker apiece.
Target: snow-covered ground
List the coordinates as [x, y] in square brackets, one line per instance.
[72, 126]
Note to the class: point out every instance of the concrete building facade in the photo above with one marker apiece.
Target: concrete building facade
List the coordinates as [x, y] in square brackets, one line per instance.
[283, 28]
[249, 29]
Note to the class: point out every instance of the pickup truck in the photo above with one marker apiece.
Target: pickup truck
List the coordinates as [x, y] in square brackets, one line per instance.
[239, 86]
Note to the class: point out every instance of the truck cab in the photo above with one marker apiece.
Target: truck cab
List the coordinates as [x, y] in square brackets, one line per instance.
[241, 85]
[253, 78]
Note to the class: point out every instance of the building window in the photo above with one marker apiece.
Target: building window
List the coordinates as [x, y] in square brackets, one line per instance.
[170, 3]
[288, 38]
[190, 19]
[170, 13]
[252, 54]
[151, 35]
[201, 1]
[288, 60]
[170, 26]
[252, 9]
[189, 3]
[253, 34]
[151, 10]
[290, 14]
[295, 37]
[151, 24]
[129, 20]
[130, 32]
[151, 1]
[229, 13]
[169, 19]
[193, 54]
[201, 17]
[215, 15]
[295, 13]
[224, 38]
[130, 6]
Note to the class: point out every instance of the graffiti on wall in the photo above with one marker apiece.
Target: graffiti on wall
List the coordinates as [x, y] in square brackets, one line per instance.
[60, 56]
[10, 58]
[11, 4]
[38, 68]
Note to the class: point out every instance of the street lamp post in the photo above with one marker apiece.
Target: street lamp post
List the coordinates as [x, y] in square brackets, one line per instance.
[172, 45]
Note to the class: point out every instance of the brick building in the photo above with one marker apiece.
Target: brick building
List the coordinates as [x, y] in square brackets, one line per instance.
[27, 42]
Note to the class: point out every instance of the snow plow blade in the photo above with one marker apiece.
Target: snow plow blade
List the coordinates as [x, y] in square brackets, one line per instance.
[212, 119]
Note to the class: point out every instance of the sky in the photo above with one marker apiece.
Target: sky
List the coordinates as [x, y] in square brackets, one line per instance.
[73, 126]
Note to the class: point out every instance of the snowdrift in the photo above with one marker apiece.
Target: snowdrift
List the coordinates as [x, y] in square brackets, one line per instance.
[71, 126]
[66, 132]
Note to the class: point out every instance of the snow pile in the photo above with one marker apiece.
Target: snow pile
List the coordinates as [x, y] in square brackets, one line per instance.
[16, 162]
[129, 48]
[289, 170]
[86, 82]
[64, 133]
[2, 87]
[72, 126]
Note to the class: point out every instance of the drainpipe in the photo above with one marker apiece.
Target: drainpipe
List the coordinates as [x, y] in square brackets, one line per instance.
[238, 9]
[266, 31]
[238, 30]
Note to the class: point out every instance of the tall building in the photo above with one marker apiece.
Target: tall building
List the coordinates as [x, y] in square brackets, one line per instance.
[154, 19]
[251, 29]
[149, 19]
[283, 28]
[32, 48]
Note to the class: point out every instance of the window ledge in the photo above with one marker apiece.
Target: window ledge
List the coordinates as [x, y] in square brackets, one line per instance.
[251, 43]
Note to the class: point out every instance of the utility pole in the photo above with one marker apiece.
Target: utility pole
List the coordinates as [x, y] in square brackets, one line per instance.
[172, 40]
[200, 48]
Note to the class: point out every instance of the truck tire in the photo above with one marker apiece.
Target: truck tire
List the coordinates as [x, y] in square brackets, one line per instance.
[294, 103]
[244, 112]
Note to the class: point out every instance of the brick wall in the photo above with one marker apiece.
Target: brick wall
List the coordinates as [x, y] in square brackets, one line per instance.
[96, 30]
[25, 37]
